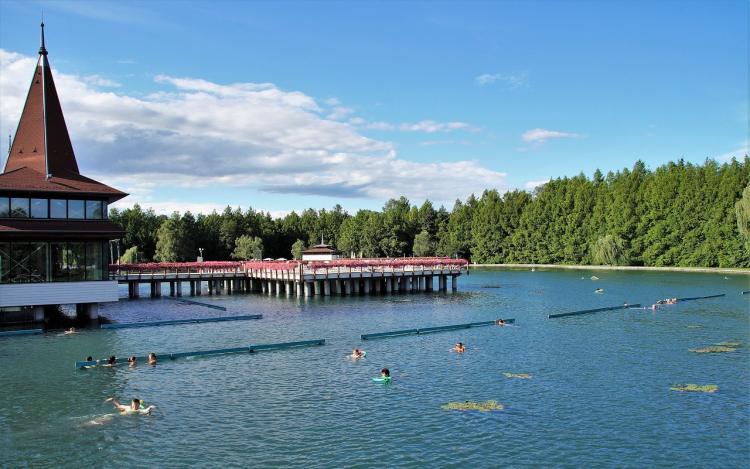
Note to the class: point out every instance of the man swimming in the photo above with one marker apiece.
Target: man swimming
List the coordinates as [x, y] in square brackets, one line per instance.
[459, 348]
[135, 406]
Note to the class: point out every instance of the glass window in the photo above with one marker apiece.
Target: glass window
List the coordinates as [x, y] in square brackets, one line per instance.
[20, 255]
[104, 210]
[94, 209]
[38, 262]
[4, 207]
[58, 265]
[39, 208]
[76, 209]
[4, 262]
[58, 208]
[76, 262]
[93, 261]
[19, 207]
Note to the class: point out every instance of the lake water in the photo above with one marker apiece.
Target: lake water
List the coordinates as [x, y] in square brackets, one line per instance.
[599, 395]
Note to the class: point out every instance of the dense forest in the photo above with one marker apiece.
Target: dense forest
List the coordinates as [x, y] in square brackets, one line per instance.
[678, 215]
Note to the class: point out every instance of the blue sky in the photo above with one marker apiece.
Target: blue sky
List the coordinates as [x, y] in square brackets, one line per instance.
[282, 106]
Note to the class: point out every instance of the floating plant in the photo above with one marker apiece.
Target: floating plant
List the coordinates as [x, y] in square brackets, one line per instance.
[717, 349]
[695, 387]
[729, 344]
[518, 375]
[473, 405]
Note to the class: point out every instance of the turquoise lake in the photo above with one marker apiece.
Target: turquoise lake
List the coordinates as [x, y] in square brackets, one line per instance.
[599, 395]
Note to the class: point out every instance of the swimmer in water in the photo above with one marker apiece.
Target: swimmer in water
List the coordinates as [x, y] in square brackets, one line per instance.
[500, 322]
[135, 406]
[385, 373]
[111, 361]
[72, 330]
[152, 358]
[357, 353]
[90, 359]
[133, 361]
[459, 348]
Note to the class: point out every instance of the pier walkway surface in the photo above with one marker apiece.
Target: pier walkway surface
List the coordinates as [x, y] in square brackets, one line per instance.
[300, 278]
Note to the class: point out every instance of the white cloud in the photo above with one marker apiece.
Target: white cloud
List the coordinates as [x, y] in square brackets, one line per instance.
[531, 185]
[431, 126]
[100, 81]
[339, 112]
[195, 134]
[541, 135]
[515, 80]
[379, 126]
[744, 149]
[356, 121]
[126, 61]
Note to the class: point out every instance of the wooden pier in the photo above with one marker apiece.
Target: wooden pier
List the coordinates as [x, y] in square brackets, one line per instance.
[296, 278]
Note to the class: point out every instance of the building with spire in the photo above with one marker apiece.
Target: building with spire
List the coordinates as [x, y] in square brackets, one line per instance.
[54, 232]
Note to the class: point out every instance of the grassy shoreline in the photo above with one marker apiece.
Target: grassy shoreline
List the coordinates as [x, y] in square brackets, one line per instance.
[713, 270]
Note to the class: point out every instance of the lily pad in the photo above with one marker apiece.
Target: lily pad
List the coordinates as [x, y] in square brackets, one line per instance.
[695, 387]
[518, 375]
[718, 349]
[473, 405]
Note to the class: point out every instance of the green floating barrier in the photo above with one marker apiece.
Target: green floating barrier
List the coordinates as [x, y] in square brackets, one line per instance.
[597, 310]
[252, 348]
[701, 297]
[473, 405]
[745, 292]
[24, 332]
[194, 302]
[434, 329]
[181, 321]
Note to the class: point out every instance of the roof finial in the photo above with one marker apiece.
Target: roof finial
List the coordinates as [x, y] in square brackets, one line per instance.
[42, 50]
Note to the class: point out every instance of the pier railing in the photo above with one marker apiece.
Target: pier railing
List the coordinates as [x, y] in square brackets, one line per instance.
[291, 270]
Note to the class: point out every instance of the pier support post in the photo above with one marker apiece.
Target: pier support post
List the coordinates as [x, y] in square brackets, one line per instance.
[178, 288]
[366, 286]
[377, 282]
[279, 287]
[316, 287]
[454, 282]
[199, 288]
[155, 289]
[327, 287]
[171, 288]
[388, 284]
[288, 286]
[299, 288]
[38, 313]
[421, 283]
[308, 288]
[192, 288]
[339, 290]
[428, 283]
[348, 287]
[355, 284]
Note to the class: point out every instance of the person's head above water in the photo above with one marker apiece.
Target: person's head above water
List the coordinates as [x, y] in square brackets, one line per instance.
[385, 372]
[89, 359]
[112, 359]
[135, 404]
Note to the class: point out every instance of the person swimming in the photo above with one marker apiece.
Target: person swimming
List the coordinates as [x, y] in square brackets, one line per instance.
[133, 361]
[111, 361]
[135, 406]
[500, 322]
[385, 373]
[459, 348]
[72, 330]
[90, 359]
[358, 353]
[152, 358]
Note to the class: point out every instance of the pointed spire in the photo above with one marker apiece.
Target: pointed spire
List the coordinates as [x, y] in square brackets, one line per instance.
[42, 50]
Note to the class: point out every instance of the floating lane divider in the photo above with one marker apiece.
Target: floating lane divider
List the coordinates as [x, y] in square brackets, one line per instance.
[250, 349]
[745, 292]
[194, 302]
[700, 297]
[597, 310]
[181, 321]
[432, 329]
[24, 332]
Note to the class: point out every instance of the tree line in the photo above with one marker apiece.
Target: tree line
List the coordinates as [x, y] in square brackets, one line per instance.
[678, 215]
